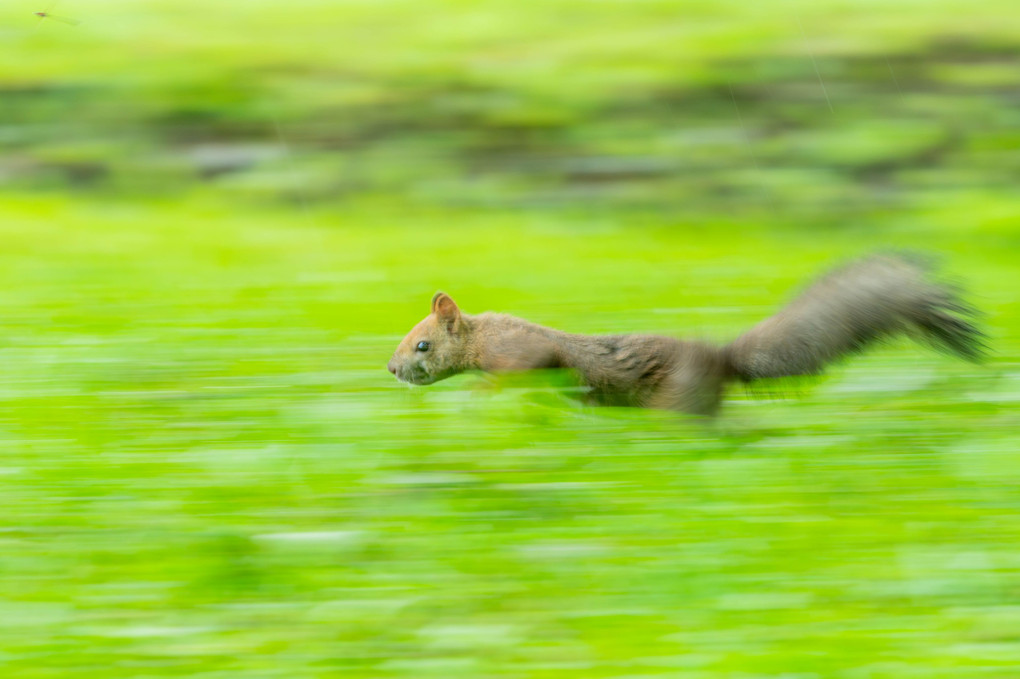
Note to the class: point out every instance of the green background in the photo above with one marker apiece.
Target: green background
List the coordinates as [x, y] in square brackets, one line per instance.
[218, 219]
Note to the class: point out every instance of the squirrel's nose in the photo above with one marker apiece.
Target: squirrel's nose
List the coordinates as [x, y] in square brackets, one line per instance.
[392, 367]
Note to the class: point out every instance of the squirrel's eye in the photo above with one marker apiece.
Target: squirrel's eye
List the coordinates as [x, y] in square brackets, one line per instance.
[423, 346]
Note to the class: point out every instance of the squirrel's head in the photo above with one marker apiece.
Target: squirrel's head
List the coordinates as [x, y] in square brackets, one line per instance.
[436, 348]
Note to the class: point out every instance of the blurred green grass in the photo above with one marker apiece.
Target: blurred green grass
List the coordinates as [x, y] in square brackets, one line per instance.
[217, 221]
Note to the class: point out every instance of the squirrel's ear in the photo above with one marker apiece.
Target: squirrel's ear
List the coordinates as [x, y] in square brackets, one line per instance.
[435, 301]
[445, 308]
[443, 305]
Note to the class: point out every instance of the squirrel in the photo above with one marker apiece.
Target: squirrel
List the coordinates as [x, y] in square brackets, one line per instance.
[842, 313]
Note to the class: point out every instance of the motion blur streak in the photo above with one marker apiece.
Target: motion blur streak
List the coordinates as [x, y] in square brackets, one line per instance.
[217, 219]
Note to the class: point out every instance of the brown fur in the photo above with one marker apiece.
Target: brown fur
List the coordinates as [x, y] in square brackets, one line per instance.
[842, 313]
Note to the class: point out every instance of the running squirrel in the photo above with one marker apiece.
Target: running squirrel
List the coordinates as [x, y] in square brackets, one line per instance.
[840, 314]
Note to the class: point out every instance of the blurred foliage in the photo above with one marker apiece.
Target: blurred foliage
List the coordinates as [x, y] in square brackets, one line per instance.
[218, 219]
[664, 105]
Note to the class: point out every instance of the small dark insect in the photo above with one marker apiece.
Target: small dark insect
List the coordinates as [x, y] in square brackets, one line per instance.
[45, 14]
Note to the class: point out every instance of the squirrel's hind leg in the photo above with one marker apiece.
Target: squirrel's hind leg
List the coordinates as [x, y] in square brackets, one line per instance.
[694, 384]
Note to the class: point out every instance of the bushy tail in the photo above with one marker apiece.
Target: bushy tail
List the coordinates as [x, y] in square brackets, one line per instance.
[851, 308]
